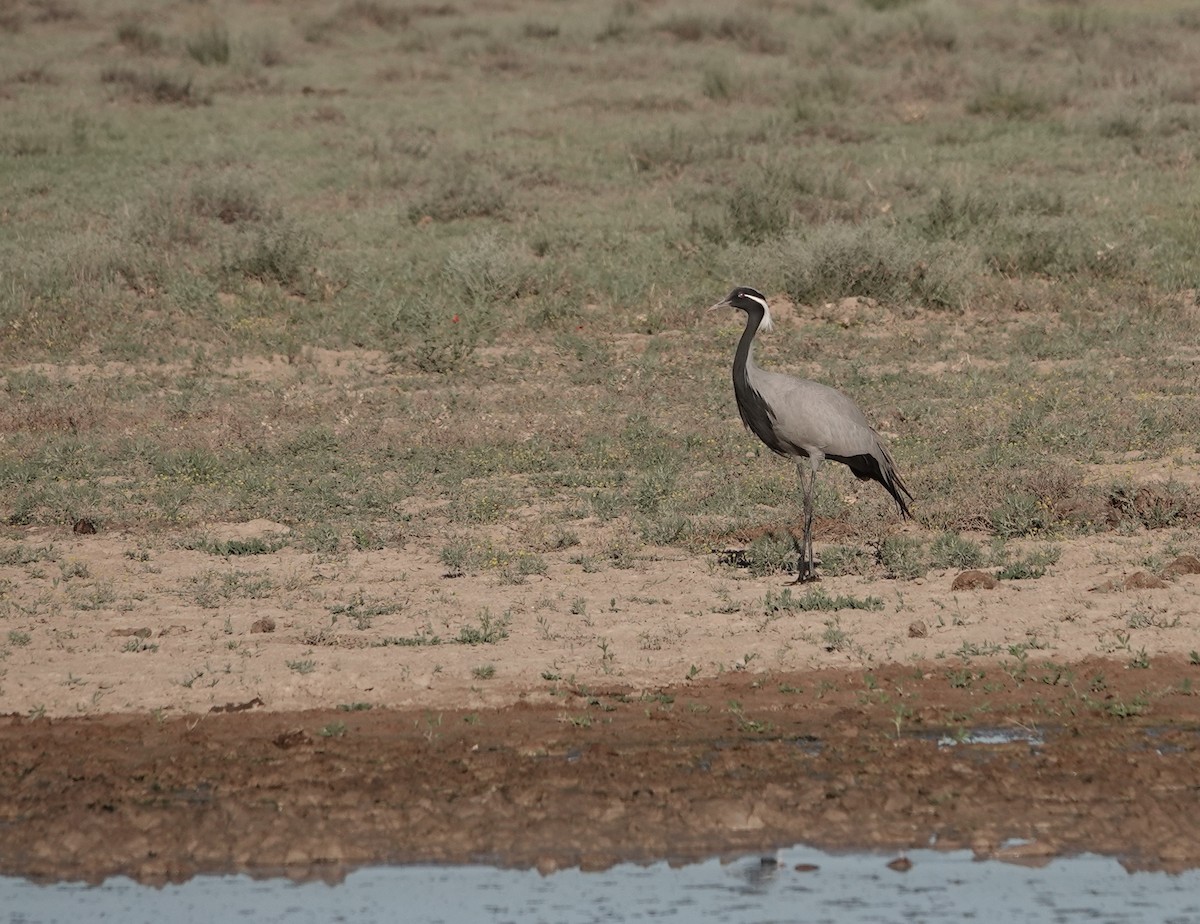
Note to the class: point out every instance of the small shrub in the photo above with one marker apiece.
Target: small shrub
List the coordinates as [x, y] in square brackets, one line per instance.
[520, 566]
[461, 190]
[955, 217]
[484, 672]
[815, 600]
[846, 559]
[835, 638]
[485, 270]
[229, 200]
[155, 86]
[670, 151]
[481, 506]
[872, 262]
[281, 253]
[717, 83]
[134, 35]
[255, 545]
[950, 550]
[771, 554]
[1009, 101]
[541, 30]
[489, 631]
[18, 639]
[322, 538]
[386, 16]
[903, 557]
[1033, 565]
[665, 529]
[1153, 506]
[1018, 515]
[24, 554]
[210, 46]
[757, 209]
[749, 31]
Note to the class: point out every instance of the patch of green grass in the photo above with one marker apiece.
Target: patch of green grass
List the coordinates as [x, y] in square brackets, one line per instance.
[835, 638]
[155, 86]
[489, 631]
[21, 554]
[1033, 565]
[1018, 515]
[950, 550]
[421, 639]
[873, 261]
[227, 548]
[771, 554]
[139, 37]
[816, 600]
[210, 45]
[211, 588]
[903, 557]
[846, 559]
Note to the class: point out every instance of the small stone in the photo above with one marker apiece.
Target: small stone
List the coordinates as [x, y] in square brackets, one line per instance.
[900, 864]
[140, 632]
[806, 867]
[917, 629]
[266, 624]
[1184, 564]
[1140, 580]
[974, 580]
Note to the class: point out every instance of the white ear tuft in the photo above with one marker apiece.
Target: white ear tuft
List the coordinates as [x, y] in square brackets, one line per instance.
[765, 324]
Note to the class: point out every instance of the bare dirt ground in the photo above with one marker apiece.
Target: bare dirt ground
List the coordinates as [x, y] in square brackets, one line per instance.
[656, 711]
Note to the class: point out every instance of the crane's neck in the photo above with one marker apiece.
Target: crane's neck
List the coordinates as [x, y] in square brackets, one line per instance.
[743, 359]
[754, 411]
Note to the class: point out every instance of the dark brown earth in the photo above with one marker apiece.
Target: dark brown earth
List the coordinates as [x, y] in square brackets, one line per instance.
[1106, 758]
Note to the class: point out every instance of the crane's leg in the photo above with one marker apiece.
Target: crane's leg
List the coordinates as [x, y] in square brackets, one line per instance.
[805, 566]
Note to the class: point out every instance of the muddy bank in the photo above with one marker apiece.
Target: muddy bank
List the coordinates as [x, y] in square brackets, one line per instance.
[1102, 758]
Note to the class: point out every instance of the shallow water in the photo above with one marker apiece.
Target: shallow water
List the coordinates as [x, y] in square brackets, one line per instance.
[949, 887]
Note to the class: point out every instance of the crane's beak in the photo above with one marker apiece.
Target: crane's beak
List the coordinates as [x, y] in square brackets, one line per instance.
[723, 303]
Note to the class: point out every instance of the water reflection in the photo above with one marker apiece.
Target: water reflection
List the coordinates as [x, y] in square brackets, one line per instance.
[798, 884]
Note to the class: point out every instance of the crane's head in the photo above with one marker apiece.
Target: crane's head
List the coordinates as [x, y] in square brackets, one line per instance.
[749, 300]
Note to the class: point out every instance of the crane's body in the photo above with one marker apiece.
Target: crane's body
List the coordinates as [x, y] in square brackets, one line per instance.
[805, 421]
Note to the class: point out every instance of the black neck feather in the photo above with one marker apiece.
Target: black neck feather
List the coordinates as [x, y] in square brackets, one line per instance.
[751, 406]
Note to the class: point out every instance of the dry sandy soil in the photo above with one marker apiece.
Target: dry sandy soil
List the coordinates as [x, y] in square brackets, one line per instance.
[159, 735]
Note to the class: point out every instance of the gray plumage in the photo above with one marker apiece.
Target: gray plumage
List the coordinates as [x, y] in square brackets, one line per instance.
[805, 420]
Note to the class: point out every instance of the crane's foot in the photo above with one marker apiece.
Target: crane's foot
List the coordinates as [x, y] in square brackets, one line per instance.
[806, 572]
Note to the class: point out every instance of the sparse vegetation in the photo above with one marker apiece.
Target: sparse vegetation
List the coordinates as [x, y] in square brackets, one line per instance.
[489, 631]
[1032, 565]
[903, 557]
[332, 297]
[815, 599]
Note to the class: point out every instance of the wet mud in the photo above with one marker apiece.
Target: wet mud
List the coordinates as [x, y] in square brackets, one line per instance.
[1023, 763]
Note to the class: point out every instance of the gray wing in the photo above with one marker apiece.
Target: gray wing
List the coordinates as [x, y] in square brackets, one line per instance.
[815, 418]
[822, 423]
